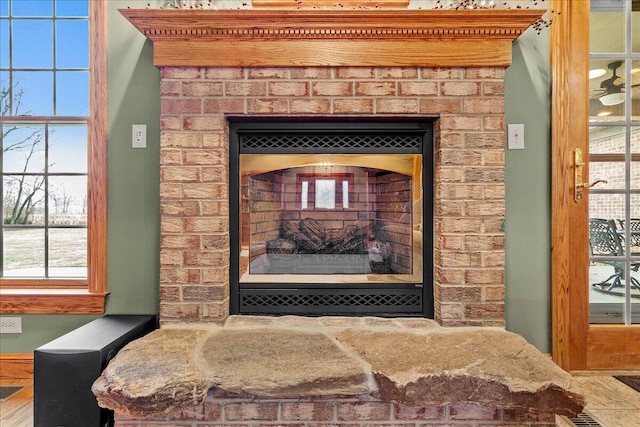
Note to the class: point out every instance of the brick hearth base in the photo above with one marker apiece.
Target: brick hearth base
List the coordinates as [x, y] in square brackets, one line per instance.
[218, 411]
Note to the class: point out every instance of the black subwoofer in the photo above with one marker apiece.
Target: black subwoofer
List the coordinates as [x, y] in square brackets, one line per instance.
[65, 369]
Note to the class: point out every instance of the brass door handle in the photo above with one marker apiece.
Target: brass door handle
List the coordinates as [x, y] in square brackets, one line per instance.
[579, 185]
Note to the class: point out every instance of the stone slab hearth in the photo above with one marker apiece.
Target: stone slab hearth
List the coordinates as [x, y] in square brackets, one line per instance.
[409, 362]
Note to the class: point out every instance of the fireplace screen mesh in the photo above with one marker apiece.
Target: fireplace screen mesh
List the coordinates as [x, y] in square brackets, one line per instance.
[336, 210]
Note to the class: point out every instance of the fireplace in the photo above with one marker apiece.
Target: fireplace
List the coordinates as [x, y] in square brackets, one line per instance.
[443, 69]
[335, 216]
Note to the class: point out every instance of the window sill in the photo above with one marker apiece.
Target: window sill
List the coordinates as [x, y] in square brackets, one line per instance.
[51, 301]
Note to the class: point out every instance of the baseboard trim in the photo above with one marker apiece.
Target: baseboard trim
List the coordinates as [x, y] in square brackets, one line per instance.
[16, 366]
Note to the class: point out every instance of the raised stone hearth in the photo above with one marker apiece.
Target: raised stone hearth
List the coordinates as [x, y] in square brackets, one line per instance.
[407, 362]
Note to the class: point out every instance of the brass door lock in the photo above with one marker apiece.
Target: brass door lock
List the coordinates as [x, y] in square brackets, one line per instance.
[579, 185]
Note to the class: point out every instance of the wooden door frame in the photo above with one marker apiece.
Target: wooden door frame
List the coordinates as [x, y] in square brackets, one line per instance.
[576, 345]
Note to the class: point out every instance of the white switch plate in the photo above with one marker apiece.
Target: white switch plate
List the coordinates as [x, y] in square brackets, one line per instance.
[10, 325]
[516, 136]
[139, 136]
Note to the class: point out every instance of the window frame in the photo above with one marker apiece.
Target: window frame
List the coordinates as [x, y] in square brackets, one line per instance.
[86, 295]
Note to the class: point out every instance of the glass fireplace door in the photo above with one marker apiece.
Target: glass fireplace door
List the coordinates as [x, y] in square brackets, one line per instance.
[330, 212]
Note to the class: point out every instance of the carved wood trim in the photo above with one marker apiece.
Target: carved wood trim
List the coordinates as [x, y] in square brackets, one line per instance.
[256, 37]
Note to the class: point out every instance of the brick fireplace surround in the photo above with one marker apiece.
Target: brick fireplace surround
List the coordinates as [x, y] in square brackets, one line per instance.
[466, 103]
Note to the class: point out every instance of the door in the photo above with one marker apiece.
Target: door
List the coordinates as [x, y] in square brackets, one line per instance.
[596, 140]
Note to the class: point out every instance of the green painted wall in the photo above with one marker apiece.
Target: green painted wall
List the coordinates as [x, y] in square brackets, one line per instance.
[134, 205]
[134, 180]
[528, 186]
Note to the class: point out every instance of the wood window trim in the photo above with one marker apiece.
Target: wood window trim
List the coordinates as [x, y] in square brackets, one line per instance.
[85, 296]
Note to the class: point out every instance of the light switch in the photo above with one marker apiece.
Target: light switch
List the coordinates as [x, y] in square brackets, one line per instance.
[516, 136]
[139, 136]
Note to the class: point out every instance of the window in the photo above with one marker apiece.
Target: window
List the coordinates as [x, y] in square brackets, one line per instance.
[53, 159]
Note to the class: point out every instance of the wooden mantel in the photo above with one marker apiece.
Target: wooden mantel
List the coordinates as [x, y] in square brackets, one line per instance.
[289, 38]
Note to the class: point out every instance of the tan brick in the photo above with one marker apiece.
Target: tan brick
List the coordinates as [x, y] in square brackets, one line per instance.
[493, 293]
[364, 411]
[182, 241]
[215, 140]
[449, 241]
[181, 311]
[353, 106]
[492, 310]
[180, 140]
[449, 276]
[170, 156]
[483, 106]
[484, 208]
[204, 191]
[461, 88]
[203, 123]
[464, 294]
[215, 208]
[483, 174]
[217, 276]
[493, 123]
[490, 88]
[487, 242]
[493, 259]
[448, 174]
[170, 258]
[216, 241]
[170, 190]
[169, 225]
[450, 311]
[223, 105]
[403, 412]
[194, 413]
[440, 106]
[169, 293]
[179, 174]
[460, 191]
[355, 73]
[202, 293]
[448, 208]
[202, 89]
[251, 411]
[473, 412]
[332, 88]
[442, 73]
[216, 311]
[397, 106]
[375, 88]
[288, 88]
[179, 207]
[268, 73]
[458, 259]
[460, 123]
[450, 140]
[180, 73]
[205, 225]
[267, 105]
[180, 276]
[484, 73]
[311, 73]
[484, 276]
[180, 106]
[310, 106]
[169, 88]
[168, 123]
[245, 88]
[420, 88]
[306, 411]
[458, 225]
[203, 157]
[493, 158]
[223, 73]
[458, 157]
[494, 140]
[205, 259]
[397, 72]
[493, 225]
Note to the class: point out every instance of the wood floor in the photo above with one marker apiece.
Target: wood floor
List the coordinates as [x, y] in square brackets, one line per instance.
[609, 402]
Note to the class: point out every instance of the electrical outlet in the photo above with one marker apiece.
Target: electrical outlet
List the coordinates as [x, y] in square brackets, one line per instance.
[139, 136]
[10, 325]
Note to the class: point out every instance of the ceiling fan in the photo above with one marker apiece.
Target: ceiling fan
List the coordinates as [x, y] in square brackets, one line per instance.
[611, 90]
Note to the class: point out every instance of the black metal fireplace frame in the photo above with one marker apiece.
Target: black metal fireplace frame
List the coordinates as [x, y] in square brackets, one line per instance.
[315, 299]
